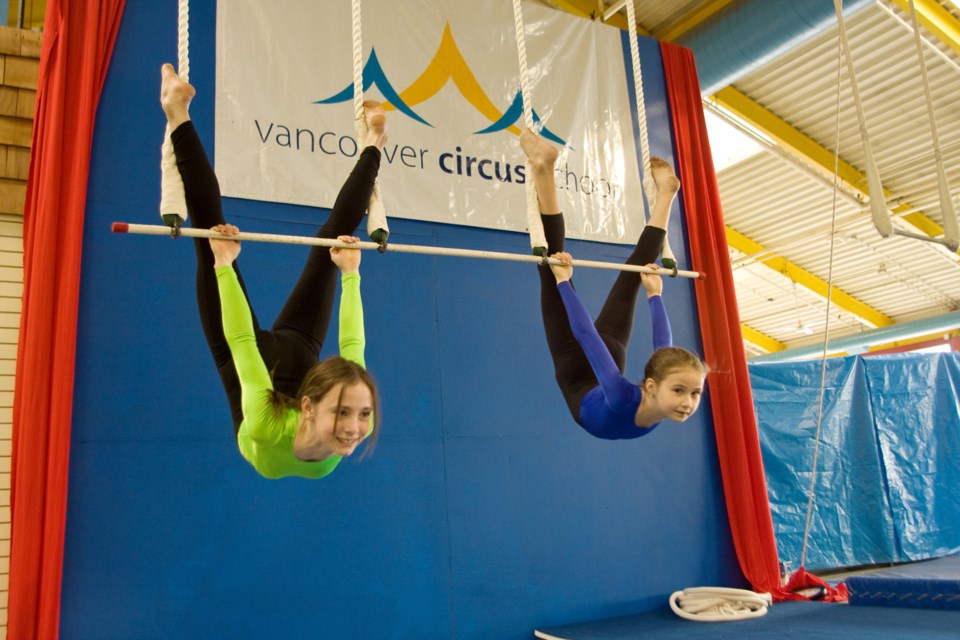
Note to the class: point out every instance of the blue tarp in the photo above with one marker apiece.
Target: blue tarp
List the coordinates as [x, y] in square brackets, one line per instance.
[888, 465]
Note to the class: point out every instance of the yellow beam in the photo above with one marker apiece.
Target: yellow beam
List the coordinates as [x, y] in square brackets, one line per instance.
[806, 149]
[812, 153]
[946, 28]
[591, 10]
[762, 340]
[579, 8]
[691, 20]
[806, 279]
[933, 337]
[789, 138]
[936, 20]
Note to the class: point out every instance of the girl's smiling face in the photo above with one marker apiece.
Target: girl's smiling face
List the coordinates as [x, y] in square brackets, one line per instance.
[678, 395]
[338, 422]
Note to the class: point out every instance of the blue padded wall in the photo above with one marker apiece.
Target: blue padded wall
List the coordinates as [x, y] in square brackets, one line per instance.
[484, 512]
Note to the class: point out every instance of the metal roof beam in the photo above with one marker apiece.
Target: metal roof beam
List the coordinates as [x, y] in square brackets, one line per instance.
[813, 154]
[579, 8]
[761, 340]
[806, 279]
[936, 20]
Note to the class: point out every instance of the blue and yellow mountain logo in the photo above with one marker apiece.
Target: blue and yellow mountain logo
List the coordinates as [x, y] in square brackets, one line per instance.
[448, 64]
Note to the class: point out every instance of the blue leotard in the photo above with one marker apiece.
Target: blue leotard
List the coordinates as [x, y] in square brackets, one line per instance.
[608, 410]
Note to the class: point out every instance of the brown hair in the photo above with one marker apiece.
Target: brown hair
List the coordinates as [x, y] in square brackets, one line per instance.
[322, 377]
[667, 360]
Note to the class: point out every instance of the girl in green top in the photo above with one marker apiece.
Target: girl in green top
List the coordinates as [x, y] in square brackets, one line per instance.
[292, 415]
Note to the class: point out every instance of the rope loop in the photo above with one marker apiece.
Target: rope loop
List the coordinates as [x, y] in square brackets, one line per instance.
[719, 604]
[878, 206]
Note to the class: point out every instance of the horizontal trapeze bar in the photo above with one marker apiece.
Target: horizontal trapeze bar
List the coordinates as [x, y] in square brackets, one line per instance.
[161, 230]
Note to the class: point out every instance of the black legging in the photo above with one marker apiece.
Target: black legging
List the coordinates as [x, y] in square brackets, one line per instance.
[614, 324]
[293, 344]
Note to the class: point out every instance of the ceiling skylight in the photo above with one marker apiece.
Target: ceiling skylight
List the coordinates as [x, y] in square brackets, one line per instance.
[728, 144]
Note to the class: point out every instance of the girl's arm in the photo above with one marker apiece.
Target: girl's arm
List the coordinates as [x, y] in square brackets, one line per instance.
[255, 384]
[653, 285]
[352, 337]
[662, 336]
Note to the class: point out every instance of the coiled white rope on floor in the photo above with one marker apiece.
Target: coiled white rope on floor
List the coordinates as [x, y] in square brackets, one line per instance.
[158, 230]
[538, 239]
[719, 604]
[173, 202]
[377, 228]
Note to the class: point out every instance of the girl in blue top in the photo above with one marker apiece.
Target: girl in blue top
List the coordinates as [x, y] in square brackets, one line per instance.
[588, 357]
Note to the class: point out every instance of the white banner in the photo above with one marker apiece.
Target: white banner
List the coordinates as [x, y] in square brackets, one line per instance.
[449, 71]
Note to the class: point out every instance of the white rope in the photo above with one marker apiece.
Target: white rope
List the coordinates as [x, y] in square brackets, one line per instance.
[173, 202]
[649, 186]
[538, 240]
[826, 330]
[878, 206]
[719, 604]
[183, 40]
[189, 232]
[377, 227]
[949, 214]
[357, 67]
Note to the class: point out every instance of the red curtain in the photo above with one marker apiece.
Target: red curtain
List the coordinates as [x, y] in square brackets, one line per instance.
[77, 42]
[731, 400]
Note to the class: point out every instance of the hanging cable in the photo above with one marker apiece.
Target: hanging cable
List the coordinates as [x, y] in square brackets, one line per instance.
[826, 330]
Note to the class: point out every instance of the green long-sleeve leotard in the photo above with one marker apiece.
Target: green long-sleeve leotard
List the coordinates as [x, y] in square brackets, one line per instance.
[266, 433]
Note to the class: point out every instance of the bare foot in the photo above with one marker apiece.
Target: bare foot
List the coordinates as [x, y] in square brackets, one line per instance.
[376, 121]
[542, 155]
[663, 176]
[374, 116]
[175, 96]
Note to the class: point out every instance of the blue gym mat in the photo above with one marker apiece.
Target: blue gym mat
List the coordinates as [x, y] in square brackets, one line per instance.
[784, 620]
[931, 584]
